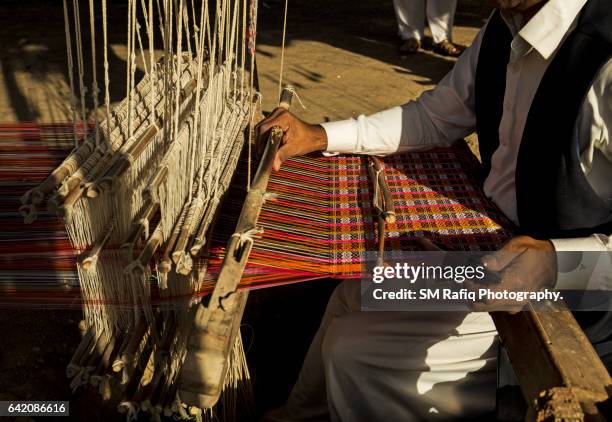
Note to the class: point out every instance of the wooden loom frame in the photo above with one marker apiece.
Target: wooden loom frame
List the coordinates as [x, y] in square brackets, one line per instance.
[559, 372]
[216, 326]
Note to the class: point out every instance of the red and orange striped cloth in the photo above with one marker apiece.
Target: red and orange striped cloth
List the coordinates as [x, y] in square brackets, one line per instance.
[318, 221]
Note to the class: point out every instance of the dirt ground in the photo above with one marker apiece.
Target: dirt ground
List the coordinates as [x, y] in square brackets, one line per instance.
[342, 58]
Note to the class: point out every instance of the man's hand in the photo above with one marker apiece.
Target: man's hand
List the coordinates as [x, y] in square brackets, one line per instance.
[299, 138]
[525, 264]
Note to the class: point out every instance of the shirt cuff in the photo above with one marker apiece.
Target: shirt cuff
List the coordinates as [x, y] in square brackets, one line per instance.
[580, 244]
[341, 137]
[581, 272]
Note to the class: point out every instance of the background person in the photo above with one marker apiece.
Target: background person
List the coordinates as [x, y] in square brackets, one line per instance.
[411, 24]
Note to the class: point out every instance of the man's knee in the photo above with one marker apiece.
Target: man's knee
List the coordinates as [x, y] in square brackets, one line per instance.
[343, 343]
[345, 298]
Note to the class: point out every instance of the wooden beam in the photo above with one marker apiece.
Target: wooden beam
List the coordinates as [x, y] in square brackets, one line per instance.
[560, 374]
[207, 360]
[217, 325]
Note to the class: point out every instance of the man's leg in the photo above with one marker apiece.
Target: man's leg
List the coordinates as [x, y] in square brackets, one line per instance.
[307, 401]
[410, 366]
[401, 365]
[440, 17]
[410, 18]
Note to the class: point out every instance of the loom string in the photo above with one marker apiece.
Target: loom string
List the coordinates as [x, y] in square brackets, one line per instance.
[228, 58]
[196, 27]
[166, 34]
[252, 32]
[234, 44]
[128, 64]
[142, 53]
[153, 75]
[79, 48]
[243, 42]
[161, 23]
[132, 59]
[282, 60]
[106, 76]
[220, 32]
[94, 83]
[212, 66]
[179, 60]
[70, 73]
[204, 34]
[200, 59]
[187, 31]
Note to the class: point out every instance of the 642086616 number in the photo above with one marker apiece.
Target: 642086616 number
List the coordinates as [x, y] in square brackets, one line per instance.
[34, 408]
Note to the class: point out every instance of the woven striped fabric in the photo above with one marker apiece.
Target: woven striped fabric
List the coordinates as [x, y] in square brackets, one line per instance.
[37, 262]
[317, 222]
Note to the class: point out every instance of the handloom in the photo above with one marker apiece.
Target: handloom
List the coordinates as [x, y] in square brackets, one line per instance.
[147, 241]
[318, 221]
[437, 196]
[140, 190]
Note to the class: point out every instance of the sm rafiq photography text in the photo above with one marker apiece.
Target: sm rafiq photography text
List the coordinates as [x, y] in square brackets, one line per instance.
[458, 274]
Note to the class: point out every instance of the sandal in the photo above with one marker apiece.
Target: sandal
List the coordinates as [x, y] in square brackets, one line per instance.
[447, 48]
[410, 46]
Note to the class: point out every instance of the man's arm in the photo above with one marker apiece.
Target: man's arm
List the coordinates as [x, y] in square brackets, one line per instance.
[572, 263]
[594, 127]
[439, 117]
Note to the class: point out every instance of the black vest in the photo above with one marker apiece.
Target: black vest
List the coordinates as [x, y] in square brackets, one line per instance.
[554, 198]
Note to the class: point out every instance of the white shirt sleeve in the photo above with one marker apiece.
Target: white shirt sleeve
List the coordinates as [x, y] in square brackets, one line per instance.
[593, 271]
[437, 118]
[595, 125]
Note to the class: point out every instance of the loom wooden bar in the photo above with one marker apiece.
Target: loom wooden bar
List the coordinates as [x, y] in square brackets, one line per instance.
[200, 239]
[129, 348]
[73, 365]
[137, 267]
[123, 163]
[375, 170]
[77, 177]
[154, 368]
[388, 207]
[216, 326]
[97, 351]
[64, 170]
[57, 201]
[90, 260]
[186, 230]
[144, 377]
[552, 357]
[206, 362]
[63, 208]
[165, 263]
[139, 226]
[107, 181]
[151, 192]
[106, 356]
[237, 252]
